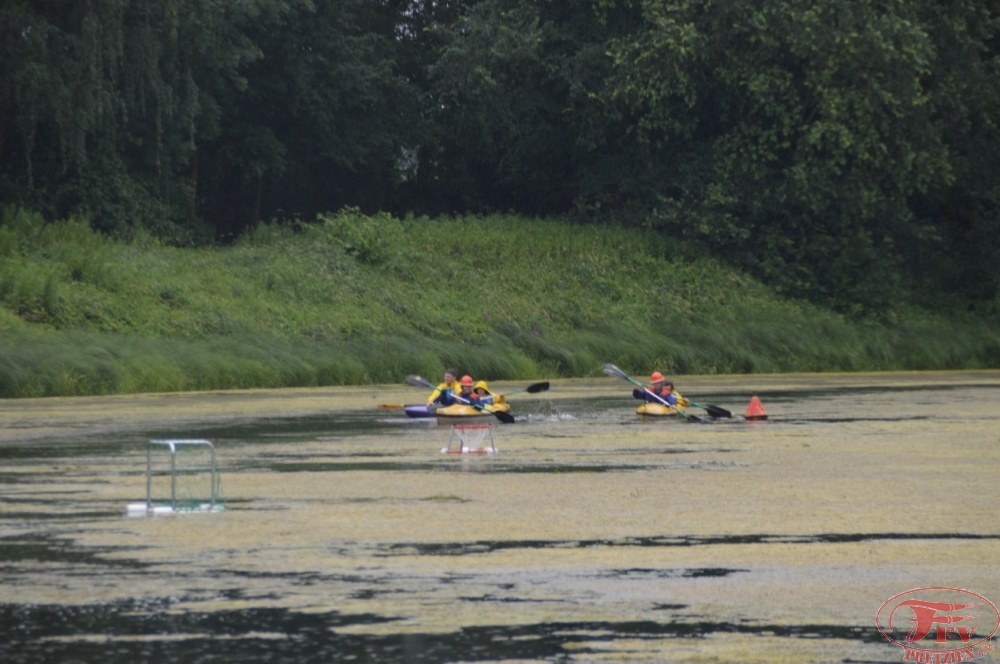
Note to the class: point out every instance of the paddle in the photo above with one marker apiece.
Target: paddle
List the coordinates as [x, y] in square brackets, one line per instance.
[612, 370]
[506, 418]
[417, 381]
[713, 411]
[534, 388]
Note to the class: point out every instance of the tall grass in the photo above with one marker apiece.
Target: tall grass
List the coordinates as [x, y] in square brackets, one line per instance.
[353, 299]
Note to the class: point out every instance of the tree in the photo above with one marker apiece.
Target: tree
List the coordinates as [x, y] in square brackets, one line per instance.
[109, 99]
[800, 133]
[950, 258]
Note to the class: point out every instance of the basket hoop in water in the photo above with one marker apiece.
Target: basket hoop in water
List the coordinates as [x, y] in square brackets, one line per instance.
[470, 439]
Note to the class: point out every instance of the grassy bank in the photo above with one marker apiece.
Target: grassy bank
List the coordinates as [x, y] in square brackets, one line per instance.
[358, 299]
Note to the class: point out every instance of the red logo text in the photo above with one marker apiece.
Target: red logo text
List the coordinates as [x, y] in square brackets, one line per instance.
[939, 625]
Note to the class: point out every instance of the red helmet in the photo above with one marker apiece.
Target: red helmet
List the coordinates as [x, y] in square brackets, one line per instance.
[466, 380]
[657, 377]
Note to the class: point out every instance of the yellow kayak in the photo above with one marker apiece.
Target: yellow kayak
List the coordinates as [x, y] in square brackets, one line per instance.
[459, 413]
[653, 409]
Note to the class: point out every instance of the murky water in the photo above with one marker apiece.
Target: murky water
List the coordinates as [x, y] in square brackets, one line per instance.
[589, 536]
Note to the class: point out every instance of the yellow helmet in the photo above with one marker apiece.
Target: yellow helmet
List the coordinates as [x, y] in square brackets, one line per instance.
[482, 385]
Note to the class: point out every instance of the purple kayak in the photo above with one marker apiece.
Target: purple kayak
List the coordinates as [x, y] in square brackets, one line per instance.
[420, 410]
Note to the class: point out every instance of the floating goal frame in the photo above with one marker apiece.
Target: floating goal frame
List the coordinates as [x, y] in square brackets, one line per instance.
[470, 436]
[210, 503]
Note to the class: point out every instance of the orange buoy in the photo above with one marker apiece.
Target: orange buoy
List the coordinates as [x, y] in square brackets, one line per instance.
[755, 411]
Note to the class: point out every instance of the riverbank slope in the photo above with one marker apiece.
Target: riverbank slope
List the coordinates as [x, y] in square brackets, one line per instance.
[355, 299]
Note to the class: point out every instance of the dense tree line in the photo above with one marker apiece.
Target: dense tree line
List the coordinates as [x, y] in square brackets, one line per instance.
[845, 152]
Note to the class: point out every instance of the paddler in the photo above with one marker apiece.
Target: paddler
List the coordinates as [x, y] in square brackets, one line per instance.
[662, 388]
[487, 397]
[444, 394]
[467, 395]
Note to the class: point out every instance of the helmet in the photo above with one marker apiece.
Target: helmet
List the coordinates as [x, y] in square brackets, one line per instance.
[466, 380]
[482, 385]
[657, 377]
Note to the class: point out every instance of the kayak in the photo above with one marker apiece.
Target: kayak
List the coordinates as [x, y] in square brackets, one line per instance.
[418, 410]
[652, 409]
[459, 413]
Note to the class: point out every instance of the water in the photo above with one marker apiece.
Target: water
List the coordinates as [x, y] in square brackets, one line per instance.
[589, 536]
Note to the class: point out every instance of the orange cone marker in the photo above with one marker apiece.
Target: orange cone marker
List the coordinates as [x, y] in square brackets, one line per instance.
[755, 411]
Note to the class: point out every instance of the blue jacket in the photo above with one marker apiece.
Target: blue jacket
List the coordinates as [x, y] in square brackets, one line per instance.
[472, 398]
[670, 398]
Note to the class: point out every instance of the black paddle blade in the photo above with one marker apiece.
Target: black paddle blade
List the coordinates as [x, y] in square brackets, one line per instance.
[716, 411]
[506, 418]
[537, 387]
[417, 381]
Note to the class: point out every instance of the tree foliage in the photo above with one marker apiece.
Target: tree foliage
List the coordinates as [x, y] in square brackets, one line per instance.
[805, 132]
[844, 152]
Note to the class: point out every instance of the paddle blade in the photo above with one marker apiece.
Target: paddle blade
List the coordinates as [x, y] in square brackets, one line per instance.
[506, 418]
[716, 411]
[614, 371]
[417, 381]
[534, 388]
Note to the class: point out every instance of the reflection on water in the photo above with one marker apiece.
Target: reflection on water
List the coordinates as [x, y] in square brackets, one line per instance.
[591, 535]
